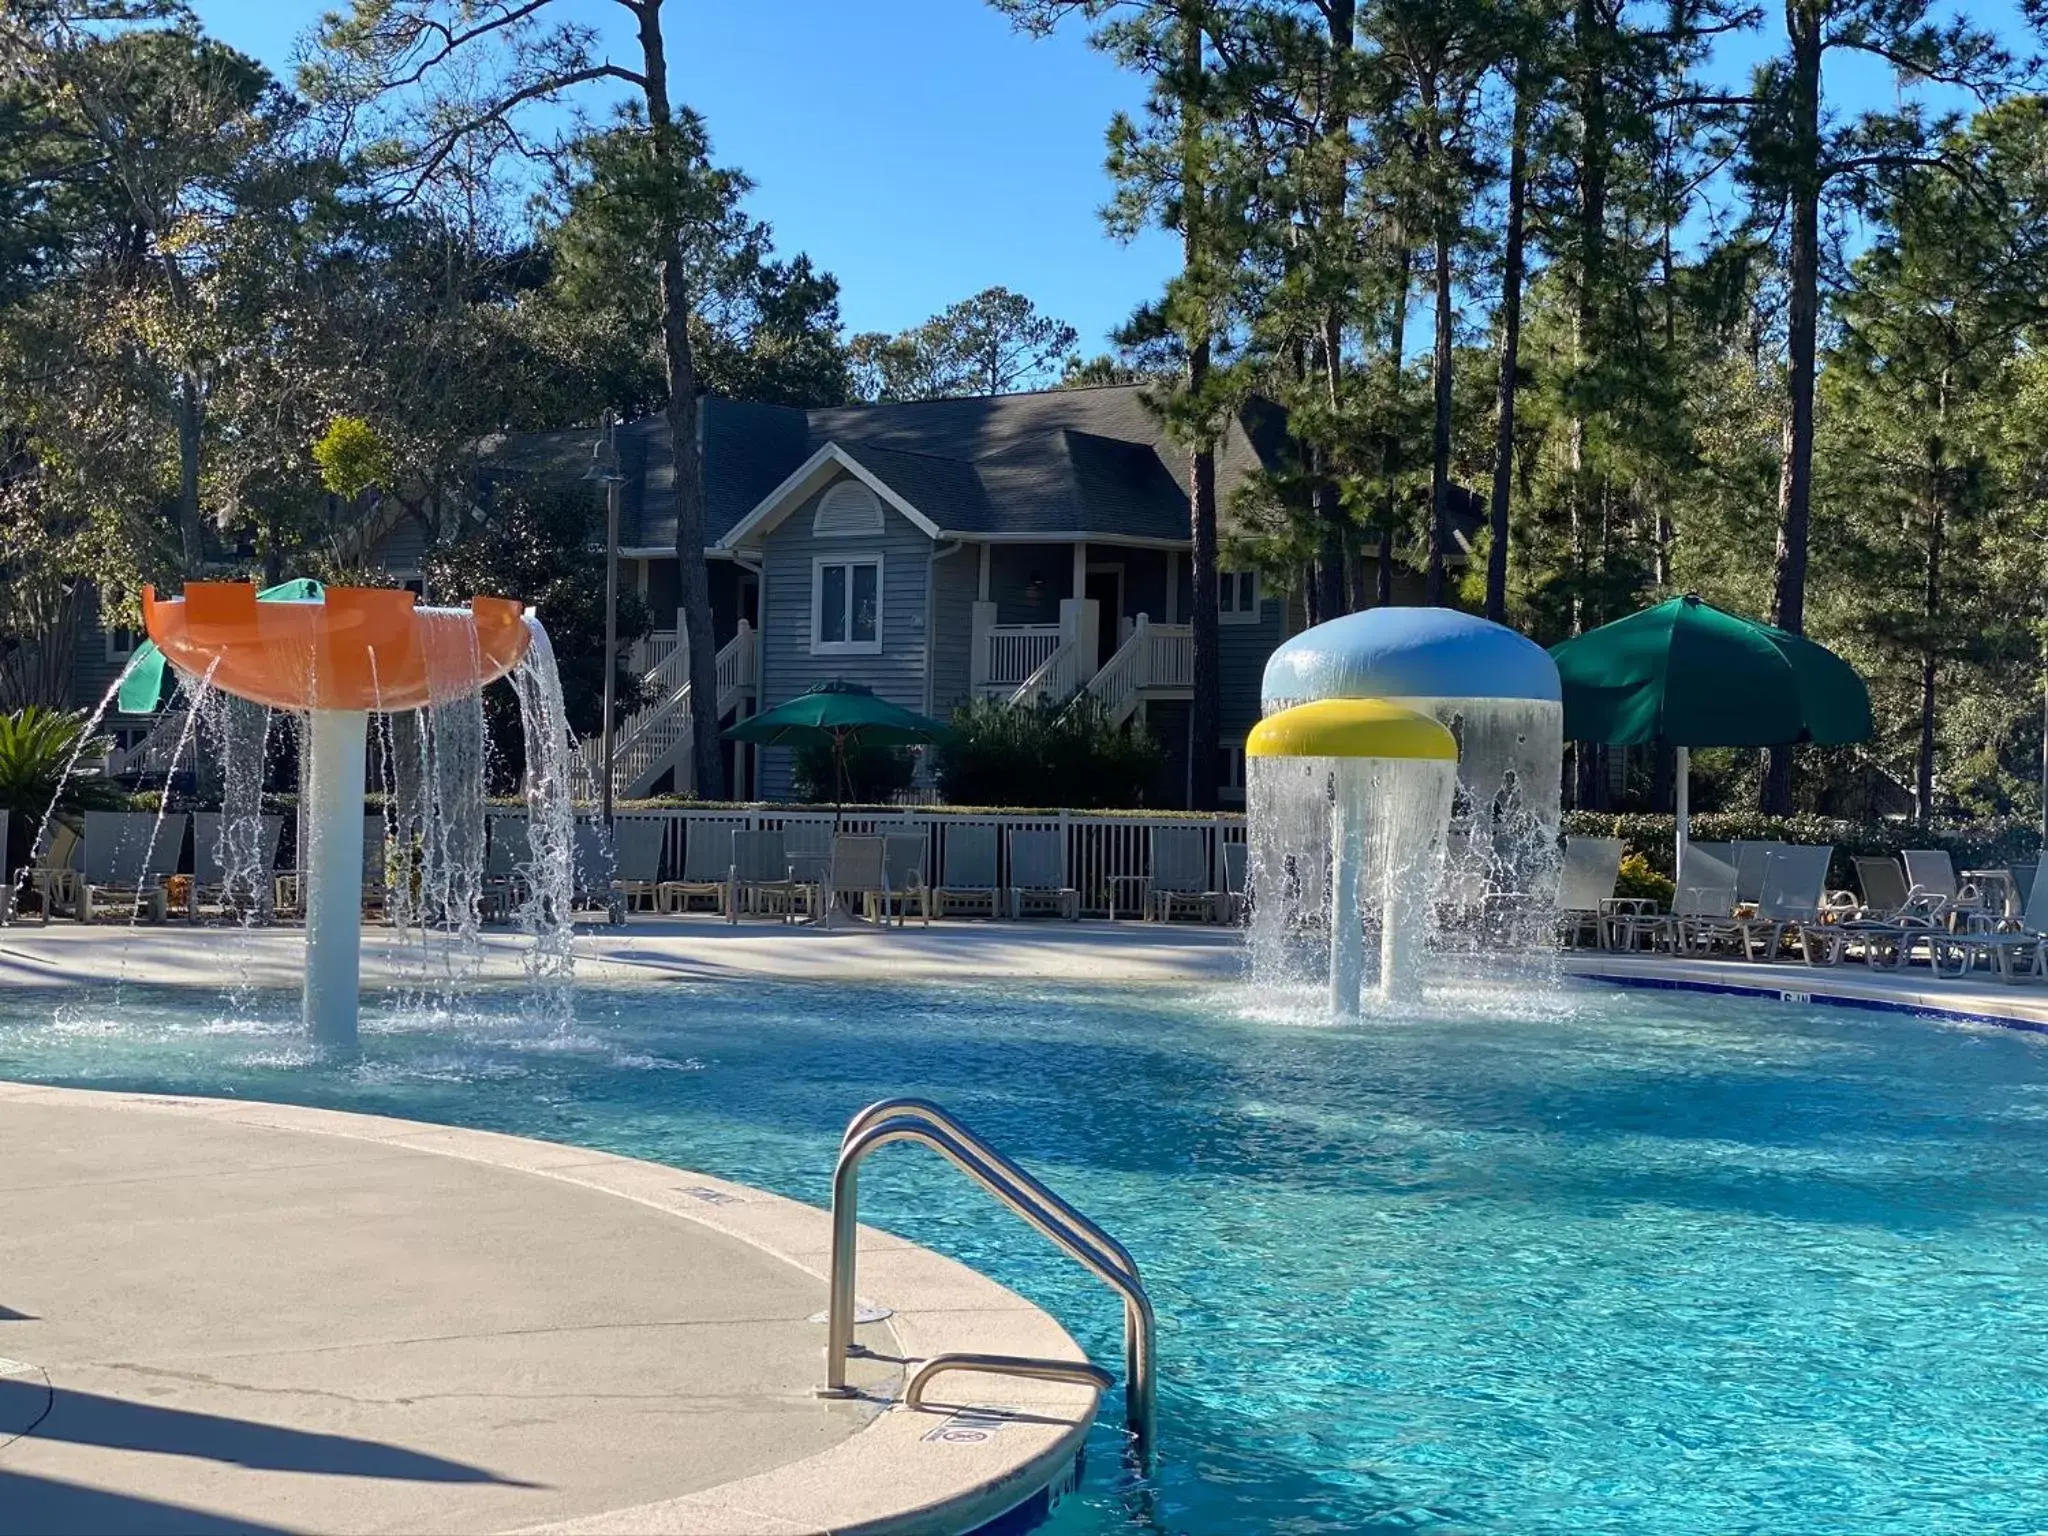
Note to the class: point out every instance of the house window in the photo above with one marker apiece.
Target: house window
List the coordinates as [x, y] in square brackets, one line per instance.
[846, 606]
[1237, 597]
[848, 510]
[1231, 768]
[120, 643]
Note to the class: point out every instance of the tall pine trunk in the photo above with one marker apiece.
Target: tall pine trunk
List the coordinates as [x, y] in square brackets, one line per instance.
[190, 407]
[1390, 440]
[1795, 471]
[693, 575]
[1440, 459]
[1205, 709]
[1510, 356]
[1332, 523]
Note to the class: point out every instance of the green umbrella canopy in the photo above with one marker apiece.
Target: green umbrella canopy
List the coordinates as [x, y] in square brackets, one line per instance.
[143, 688]
[1695, 675]
[838, 712]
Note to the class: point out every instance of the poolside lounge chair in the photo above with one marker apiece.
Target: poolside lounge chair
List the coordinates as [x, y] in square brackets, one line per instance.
[128, 857]
[1236, 860]
[52, 876]
[636, 862]
[1750, 861]
[859, 874]
[2017, 948]
[760, 878]
[507, 849]
[233, 861]
[904, 857]
[707, 871]
[1036, 876]
[1585, 887]
[969, 876]
[1794, 889]
[1180, 875]
[1932, 871]
[592, 882]
[1703, 893]
[1885, 924]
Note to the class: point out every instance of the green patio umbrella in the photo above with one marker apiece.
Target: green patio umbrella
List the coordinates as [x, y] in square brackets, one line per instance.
[843, 714]
[1695, 675]
[143, 688]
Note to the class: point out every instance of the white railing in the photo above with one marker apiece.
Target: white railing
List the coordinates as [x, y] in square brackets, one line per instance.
[1107, 858]
[1156, 656]
[152, 754]
[1057, 677]
[1011, 653]
[651, 734]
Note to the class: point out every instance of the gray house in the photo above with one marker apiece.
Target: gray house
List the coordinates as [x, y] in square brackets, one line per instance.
[1010, 547]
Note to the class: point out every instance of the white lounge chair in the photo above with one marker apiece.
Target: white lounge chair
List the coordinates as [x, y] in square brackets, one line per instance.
[1885, 925]
[1933, 872]
[1585, 888]
[636, 862]
[1794, 888]
[968, 878]
[904, 860]
[1236, 860]
[593, 883]
[128, 857]
[707, 871]
[234, 863]
[51, 876]
[761, 879]
[1179, 875]
[1037, 875]
[2017, 948]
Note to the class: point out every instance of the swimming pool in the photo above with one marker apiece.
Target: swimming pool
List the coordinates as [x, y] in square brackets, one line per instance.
[1621, 1262]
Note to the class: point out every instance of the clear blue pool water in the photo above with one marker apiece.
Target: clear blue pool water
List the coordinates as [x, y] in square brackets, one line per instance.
[1627, 1262]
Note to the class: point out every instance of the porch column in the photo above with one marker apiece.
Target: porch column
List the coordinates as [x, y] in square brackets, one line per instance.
[984, 620]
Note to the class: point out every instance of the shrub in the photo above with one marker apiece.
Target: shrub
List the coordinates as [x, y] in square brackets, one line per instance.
[1057, 752]
[35, 746]
[873, 775]
[1976, 845]
[1636, 879]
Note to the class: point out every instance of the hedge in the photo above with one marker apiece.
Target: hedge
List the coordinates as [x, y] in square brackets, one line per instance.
[1976, 845]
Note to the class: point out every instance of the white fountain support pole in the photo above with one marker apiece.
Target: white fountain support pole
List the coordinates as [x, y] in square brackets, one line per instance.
[1347, 927]
[336, 750]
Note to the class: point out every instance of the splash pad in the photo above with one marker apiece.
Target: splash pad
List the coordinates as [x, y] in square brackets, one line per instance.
[338, 659]
[1446, 841]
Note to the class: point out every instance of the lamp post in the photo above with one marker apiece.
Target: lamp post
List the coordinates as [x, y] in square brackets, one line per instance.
[604, 469]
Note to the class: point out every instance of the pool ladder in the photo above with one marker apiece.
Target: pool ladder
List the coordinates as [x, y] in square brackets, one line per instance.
[923, 1122]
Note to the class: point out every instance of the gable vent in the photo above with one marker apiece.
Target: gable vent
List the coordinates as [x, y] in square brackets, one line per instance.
[849, 508]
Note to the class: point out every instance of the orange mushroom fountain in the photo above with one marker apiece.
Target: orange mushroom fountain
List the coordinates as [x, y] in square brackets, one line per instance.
[336, 659]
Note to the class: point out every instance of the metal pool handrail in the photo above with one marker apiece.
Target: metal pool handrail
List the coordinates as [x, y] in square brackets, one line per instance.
[925, 1109]
[1003, 1179]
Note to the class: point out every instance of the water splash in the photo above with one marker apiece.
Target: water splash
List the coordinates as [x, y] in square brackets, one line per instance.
[549, 870]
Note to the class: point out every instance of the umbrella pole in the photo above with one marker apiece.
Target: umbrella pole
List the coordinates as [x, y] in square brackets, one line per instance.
[1681, 775]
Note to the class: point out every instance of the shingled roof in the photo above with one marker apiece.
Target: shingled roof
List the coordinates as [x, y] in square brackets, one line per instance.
[1095, 463]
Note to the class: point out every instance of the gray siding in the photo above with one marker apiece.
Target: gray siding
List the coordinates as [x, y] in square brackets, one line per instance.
[787, 665]
[955, 581]
[1011, 568]
[93, 671]
[403, 549]
[1242, 650]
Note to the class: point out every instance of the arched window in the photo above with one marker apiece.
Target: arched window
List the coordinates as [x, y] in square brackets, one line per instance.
[848, 510]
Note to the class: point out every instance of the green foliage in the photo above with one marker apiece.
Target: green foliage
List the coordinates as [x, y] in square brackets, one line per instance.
[352, 457]
[1635, 879]
[35, 746]
[536, 546]
[1977, 845]
[990, 344]
[871, 775]
[1058, 752]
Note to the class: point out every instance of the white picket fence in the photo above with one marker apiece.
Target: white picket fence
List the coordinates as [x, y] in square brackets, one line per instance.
[1108, 858]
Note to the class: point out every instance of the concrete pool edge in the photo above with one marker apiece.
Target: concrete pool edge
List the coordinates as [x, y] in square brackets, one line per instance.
[1914, 994]
[900, 1472]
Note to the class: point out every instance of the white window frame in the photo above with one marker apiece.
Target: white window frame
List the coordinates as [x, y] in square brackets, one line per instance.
[1233, 785]
[1233, 581]
[823, 647]
[114, 651]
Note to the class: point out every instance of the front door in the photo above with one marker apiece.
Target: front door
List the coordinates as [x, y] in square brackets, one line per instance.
[1106, 590]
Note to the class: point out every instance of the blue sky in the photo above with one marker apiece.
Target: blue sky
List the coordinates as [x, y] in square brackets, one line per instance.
[920, 149]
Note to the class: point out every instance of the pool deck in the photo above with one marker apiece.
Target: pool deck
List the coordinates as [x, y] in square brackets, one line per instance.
[667, 950]
[651, 949]
[221, 1316]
